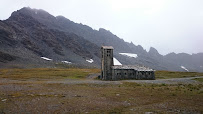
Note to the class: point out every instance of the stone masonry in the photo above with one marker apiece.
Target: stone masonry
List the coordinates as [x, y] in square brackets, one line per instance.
[109, 71]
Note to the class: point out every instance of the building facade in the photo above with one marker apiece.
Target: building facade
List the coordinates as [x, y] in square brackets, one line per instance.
[106, 62]
[109, 71]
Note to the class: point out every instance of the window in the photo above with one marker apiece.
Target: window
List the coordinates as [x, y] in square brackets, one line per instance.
[108, 52]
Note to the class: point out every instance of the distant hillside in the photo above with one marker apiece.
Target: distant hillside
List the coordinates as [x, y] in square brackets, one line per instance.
[29, 34]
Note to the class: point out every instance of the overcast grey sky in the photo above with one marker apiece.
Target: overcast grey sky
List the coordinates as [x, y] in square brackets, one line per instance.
[168, 25]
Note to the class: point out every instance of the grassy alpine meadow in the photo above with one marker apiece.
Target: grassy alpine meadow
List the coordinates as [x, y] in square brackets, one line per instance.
[172, 74]
[199, 79]
[46, 73]
[46, 90]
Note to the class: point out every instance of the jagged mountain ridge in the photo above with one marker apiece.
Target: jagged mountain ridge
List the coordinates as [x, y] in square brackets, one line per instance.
[42, 34]
[23, 32]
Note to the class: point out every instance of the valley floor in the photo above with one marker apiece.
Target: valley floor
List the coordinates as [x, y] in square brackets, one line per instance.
[77, 91]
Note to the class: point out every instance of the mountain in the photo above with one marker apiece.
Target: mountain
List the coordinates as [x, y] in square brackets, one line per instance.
[29, 40]
[29, 34]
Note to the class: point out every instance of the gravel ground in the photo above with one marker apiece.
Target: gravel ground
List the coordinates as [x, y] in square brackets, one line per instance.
[157, 81]
[62, 96]
[91, 80]
[188, 80]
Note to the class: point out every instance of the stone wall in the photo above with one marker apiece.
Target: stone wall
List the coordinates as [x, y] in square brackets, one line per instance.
[124, 74]
[106, 63]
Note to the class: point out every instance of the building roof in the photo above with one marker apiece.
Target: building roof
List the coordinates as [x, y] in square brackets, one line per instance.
[135, 67]
[107, 47]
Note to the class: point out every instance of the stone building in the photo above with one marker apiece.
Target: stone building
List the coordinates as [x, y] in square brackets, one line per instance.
[109, 71]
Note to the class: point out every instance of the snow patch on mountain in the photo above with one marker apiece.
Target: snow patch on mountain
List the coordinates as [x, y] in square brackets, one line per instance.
[184, 68]
[116, 62]
[45, 58]
[90, 61]
[129, 55]
[66, 62]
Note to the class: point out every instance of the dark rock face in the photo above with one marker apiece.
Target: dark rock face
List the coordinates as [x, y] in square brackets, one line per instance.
[32, 33]
[4, 57]
[35, 39]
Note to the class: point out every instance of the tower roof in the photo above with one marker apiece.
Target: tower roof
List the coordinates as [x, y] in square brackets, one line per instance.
[107, 47]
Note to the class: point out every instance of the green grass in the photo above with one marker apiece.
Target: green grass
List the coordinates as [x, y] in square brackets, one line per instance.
[75, 73]
[199, 79]
[46, 73]
[172, 74]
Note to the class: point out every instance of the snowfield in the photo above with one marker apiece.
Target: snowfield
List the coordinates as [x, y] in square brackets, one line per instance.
[45, 58]
[184, 68]
[116, 62]
[129, 55]
[66, 62]
[90, 61]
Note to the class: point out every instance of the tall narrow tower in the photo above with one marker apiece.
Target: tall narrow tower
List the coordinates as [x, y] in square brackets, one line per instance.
[106, 62]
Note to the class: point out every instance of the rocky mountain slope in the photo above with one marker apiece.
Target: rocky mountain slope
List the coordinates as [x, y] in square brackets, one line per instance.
[29, 34]
[28, 39]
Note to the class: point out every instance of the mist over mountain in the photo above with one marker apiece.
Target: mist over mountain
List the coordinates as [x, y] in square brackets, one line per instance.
[29, 34]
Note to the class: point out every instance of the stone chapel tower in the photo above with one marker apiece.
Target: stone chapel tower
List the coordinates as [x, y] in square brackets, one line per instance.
[106, 62]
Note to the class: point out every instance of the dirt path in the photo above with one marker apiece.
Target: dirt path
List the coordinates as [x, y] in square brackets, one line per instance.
[91, 80]
[188, 80]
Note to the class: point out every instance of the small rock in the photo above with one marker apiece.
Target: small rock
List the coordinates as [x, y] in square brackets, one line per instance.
[4, 100]
[117, 94]
[77, 96]
[148, 112]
